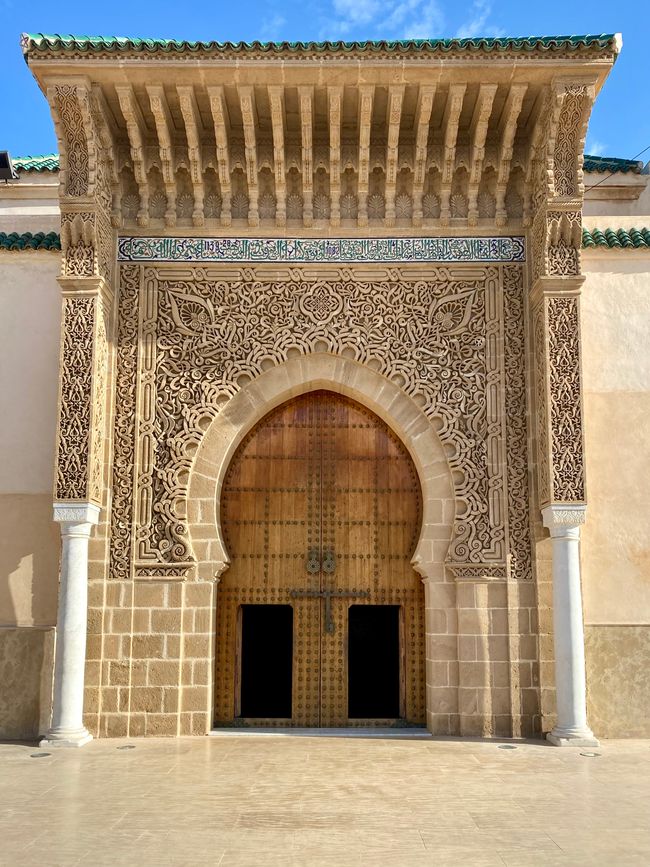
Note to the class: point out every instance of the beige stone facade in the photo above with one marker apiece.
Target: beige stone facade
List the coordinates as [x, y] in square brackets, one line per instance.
[507, 361]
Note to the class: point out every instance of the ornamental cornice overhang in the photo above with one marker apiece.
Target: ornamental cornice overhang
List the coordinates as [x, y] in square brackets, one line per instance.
[440, 136]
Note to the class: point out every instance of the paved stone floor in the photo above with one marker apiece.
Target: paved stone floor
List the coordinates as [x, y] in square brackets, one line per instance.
[256, 800]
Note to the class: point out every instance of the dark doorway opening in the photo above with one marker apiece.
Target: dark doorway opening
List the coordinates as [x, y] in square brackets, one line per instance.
[373, 662]
[266, 661]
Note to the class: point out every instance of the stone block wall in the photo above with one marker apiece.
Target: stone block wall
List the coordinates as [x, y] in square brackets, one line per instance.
[155, 660]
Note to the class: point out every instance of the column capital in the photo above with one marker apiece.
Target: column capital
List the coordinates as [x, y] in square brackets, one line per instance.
[76, 513]
[561, 517]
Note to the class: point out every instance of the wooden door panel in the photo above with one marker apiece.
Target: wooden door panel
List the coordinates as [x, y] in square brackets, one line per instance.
[320, 474]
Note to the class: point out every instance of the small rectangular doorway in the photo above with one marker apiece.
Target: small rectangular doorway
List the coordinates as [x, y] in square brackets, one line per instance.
[374, 682]
[266, 661]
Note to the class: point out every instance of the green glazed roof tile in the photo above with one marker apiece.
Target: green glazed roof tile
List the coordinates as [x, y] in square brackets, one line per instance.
[43, 163]
[50, 162]
[41, 42]
[611, 165]
[27, 241]
[616, 238]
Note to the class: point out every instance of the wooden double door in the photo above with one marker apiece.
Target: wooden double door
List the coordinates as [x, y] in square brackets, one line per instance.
[320, 615]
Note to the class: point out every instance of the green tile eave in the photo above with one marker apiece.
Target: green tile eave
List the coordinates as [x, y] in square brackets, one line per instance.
[121, 44]
[612, 165]
[616, 239]
[38, 163]
[15, 241]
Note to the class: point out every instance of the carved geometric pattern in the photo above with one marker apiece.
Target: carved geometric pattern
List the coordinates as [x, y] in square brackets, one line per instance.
[214, 328]
[76, 399]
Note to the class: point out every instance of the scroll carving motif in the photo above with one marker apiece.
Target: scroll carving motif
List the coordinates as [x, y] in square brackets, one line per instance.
[76, 397]
[205, 330]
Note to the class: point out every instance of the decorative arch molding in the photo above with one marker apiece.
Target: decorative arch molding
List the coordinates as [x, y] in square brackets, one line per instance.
[295, 377]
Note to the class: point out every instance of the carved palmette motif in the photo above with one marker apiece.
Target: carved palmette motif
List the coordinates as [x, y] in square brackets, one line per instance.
[203, 330]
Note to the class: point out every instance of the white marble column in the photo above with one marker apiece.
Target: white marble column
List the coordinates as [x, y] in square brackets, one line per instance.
[571, 729]
[67, 728]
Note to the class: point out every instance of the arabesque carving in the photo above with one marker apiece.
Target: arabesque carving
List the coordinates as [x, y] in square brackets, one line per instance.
[204, 330]
[72, 128]
[516, 428]
[124, 431]
[565, 399]
[76, 399]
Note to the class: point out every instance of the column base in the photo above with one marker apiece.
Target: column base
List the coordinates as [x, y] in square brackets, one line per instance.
[578, 739]
[66, 738]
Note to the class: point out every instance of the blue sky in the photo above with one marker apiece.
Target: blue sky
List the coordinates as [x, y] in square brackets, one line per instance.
[620, 124]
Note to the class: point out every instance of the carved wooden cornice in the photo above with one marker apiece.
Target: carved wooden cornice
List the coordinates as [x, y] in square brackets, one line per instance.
[386, 145]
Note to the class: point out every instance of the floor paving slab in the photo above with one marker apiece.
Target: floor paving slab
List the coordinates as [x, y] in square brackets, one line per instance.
[309, 801]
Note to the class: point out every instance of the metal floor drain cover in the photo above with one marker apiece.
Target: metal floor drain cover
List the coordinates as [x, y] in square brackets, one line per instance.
[39, 755]
[507, 747]
[126, 747]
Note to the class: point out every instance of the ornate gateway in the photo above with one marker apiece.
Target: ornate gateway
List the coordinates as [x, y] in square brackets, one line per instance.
[236, 237]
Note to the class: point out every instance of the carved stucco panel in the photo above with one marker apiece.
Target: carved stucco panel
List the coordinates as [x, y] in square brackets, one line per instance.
[203, 330]
[72, 129]
[558, 398]
[75, 399]
[125, 417]
[565, 399]
[516, 431]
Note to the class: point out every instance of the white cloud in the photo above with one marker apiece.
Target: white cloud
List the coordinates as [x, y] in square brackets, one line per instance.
[428, 24]
[478, 22]
[271, 28]
[595, 148]
[354, 12]
[385, 19]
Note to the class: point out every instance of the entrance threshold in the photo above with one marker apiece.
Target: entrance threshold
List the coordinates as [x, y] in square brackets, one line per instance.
[352, 732]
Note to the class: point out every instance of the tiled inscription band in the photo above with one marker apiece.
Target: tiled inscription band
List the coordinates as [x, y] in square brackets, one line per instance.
[322, 250]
